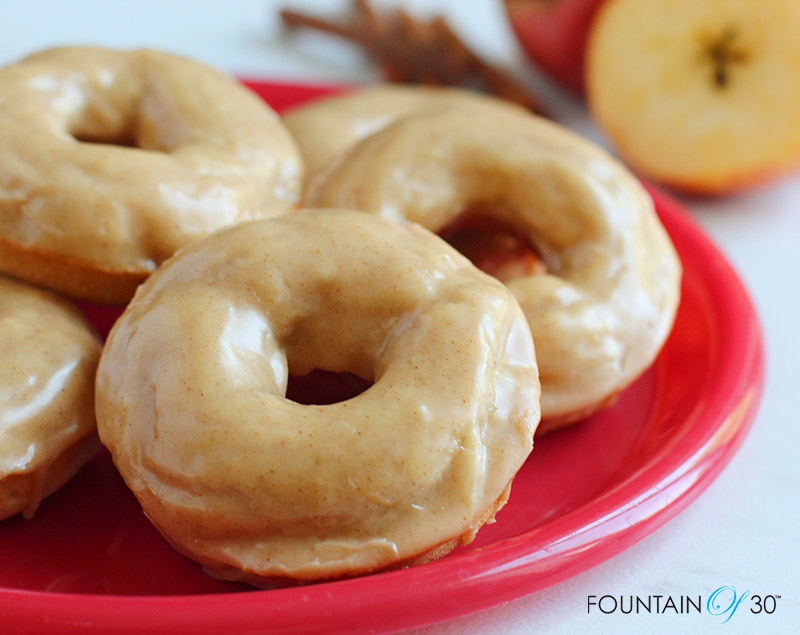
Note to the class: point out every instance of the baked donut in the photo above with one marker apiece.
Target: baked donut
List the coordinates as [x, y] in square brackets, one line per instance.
[191, 384]
[326, 128]
[605, 305]
[47, 427]
[83, 213]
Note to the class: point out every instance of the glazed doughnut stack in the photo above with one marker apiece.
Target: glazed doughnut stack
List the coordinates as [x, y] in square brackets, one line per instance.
[249, 250]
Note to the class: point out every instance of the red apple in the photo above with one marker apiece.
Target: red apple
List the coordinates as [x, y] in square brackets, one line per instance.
[554, 33]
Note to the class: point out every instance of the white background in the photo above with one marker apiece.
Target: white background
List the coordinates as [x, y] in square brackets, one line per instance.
[745, 529]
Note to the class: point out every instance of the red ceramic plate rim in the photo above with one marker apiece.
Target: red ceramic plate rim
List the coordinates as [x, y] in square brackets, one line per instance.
[497, 572]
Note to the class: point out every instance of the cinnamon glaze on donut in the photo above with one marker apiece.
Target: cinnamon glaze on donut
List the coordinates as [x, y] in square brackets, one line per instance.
[47, 425]
[191, 397]
[326, 128]
[111, 160]
[602, 302]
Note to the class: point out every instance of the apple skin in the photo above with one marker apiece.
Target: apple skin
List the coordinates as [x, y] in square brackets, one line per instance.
[554, 34]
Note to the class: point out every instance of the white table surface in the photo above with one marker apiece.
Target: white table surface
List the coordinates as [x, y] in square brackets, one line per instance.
[745, 529]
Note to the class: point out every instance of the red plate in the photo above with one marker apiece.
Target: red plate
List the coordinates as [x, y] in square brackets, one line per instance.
[90, 561]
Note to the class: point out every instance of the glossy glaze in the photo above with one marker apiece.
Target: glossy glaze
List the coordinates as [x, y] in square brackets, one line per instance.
[588, 495]
[191, 397]
[605, 306]
[204, 153]
[47, 429]
[326, 129]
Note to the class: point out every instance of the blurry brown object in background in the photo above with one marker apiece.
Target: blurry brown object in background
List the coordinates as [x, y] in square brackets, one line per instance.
[414, 51]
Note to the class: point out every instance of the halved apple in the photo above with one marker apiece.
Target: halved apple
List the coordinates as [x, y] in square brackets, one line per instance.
[703, 95]
[553, 33]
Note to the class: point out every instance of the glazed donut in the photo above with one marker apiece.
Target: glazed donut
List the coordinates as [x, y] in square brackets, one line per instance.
[326, 128]
[47, 427]
[85, 215]
[191, 384]
[607, 302]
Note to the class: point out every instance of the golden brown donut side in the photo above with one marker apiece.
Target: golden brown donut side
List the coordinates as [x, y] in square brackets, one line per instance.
[73, 277]
[190, 397]
[47, 425]
[114, 159]
[235, 574]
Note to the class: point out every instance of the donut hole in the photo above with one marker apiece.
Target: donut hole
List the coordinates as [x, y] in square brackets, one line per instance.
[493, 246]
[323, 387]
[120, 129]
[104, 126]
[123, 139]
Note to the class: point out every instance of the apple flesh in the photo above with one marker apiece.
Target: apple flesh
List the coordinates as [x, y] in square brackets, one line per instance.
[703, 96]
[553, 33]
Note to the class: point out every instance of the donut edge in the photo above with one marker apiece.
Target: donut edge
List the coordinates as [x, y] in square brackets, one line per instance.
[72, 277]
[23, 492]
[234, 574]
